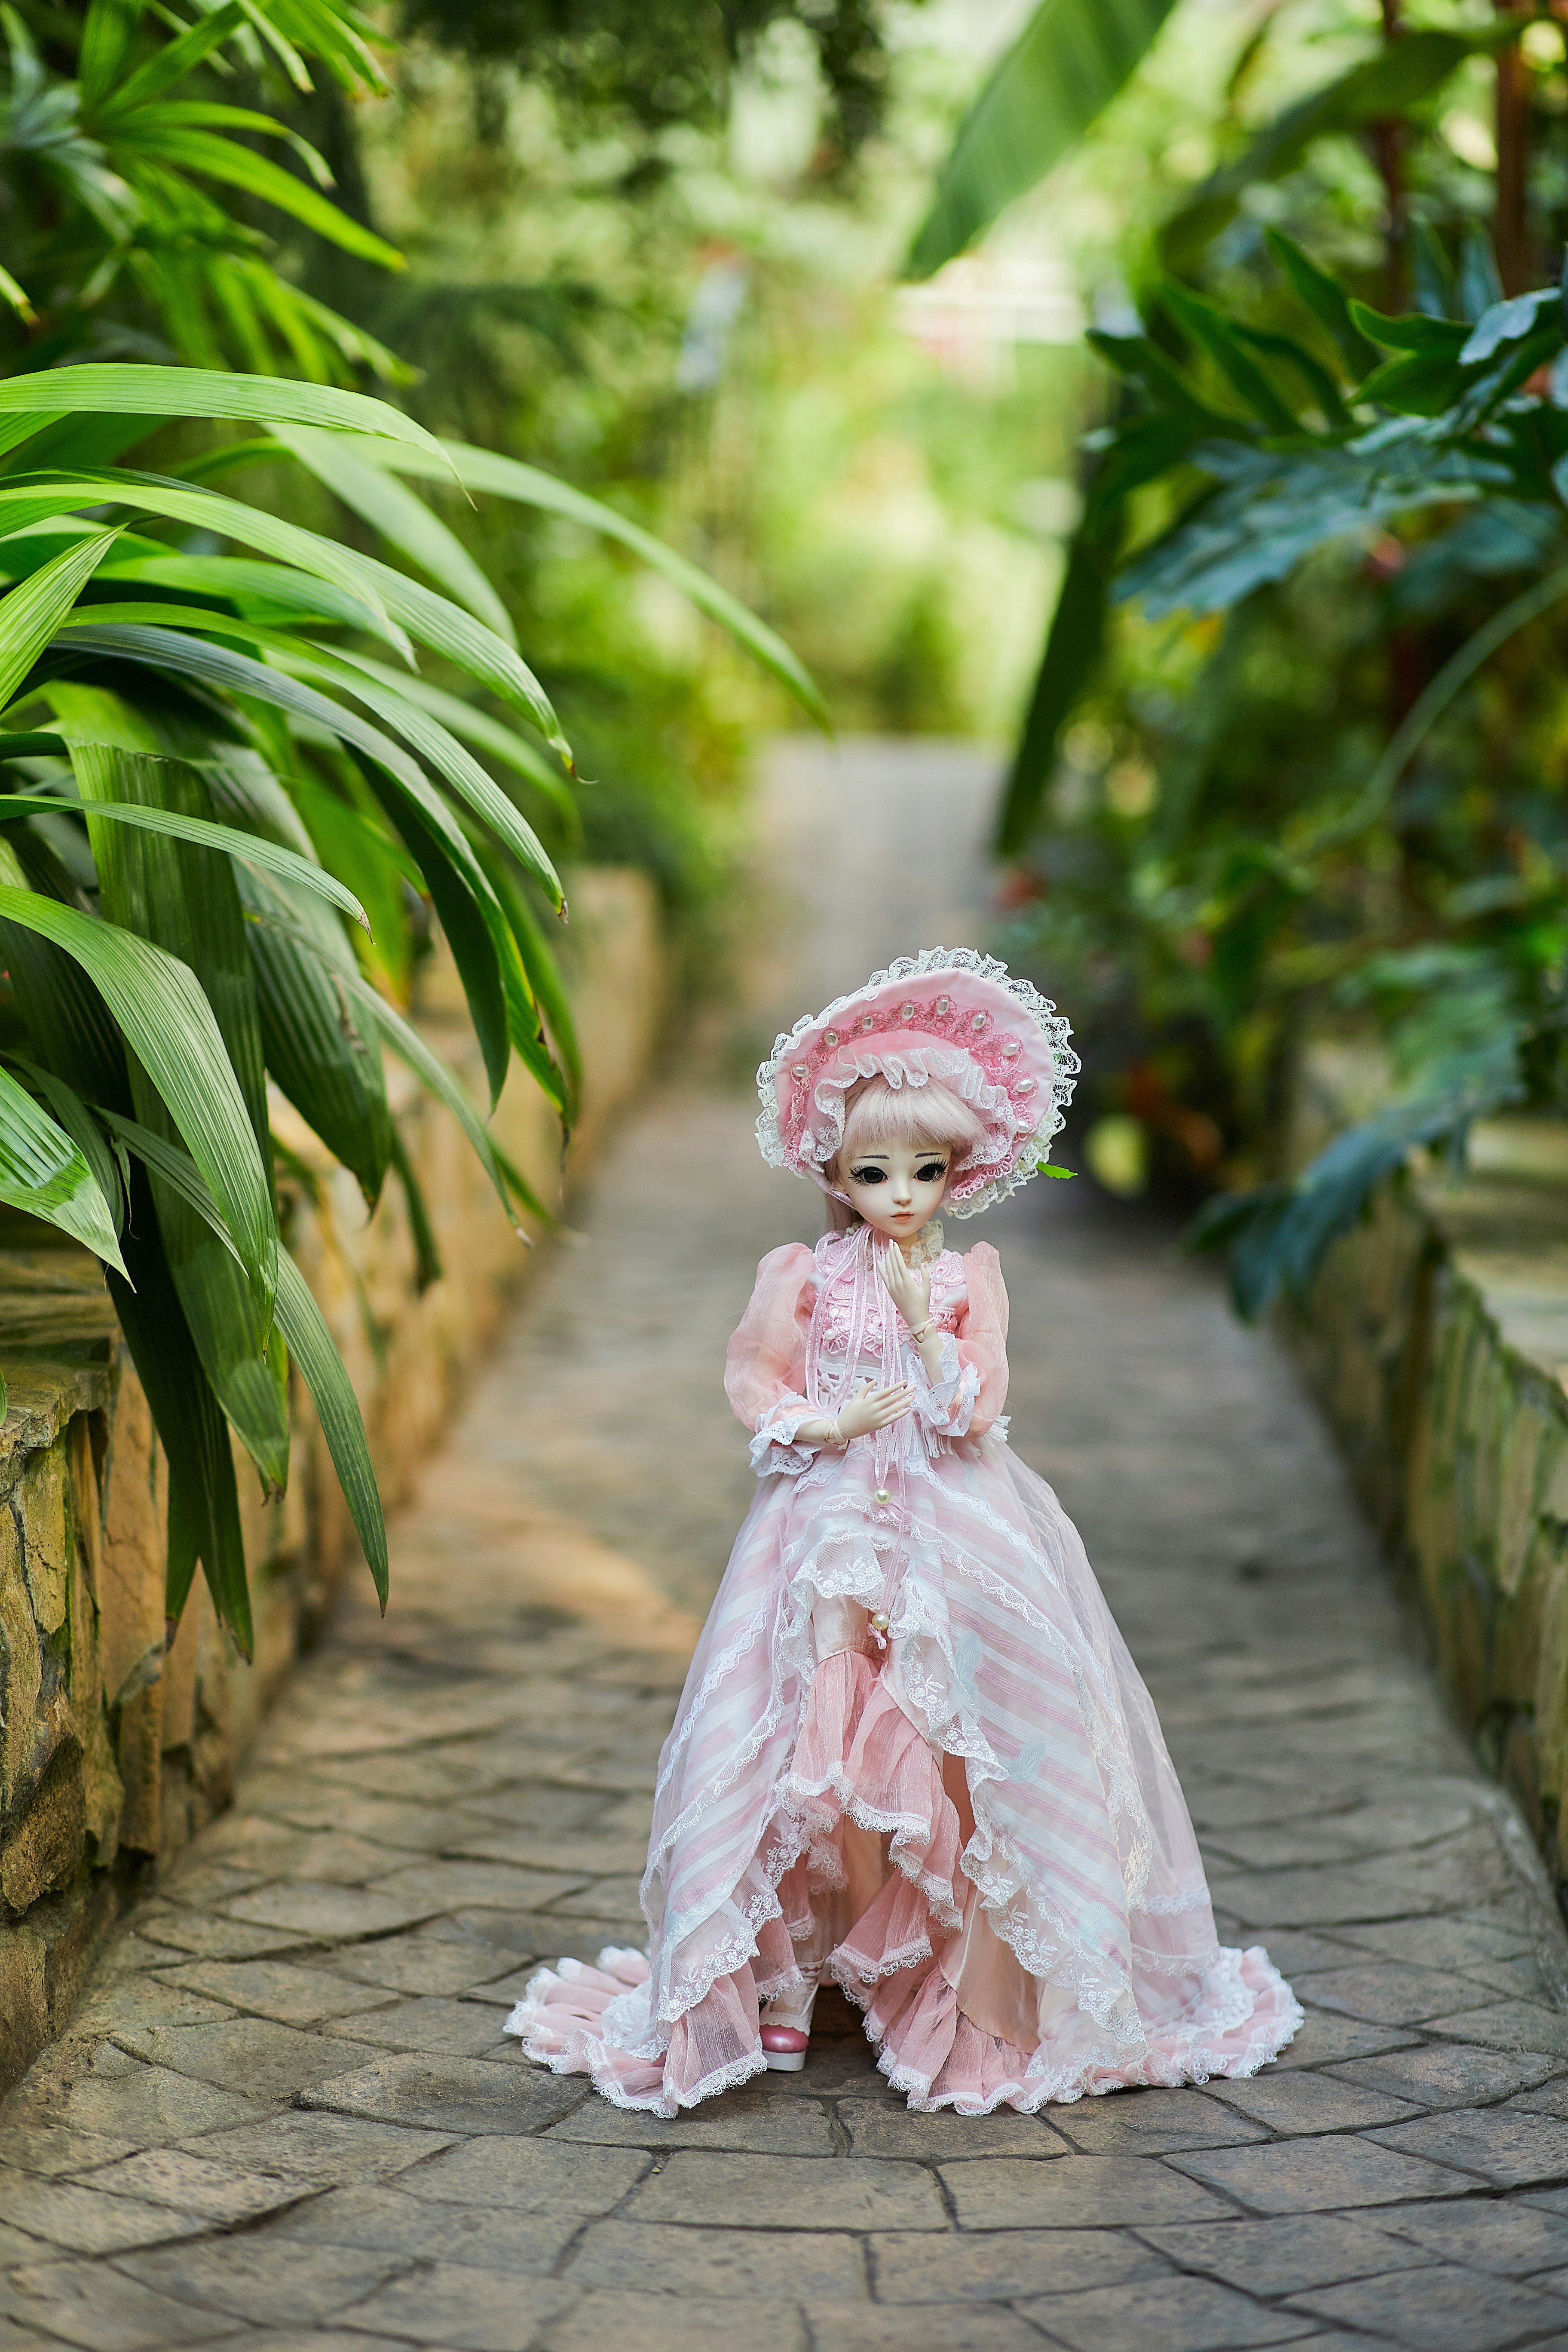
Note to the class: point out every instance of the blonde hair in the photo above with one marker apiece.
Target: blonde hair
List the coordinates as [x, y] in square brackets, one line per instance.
[875, 1112]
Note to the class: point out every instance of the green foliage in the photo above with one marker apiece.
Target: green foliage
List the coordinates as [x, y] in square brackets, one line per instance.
[113, 138]
[1063, 71]
[229, 799]
[1355, 879]
[652, 65]
[1379, 88]
[176, 783]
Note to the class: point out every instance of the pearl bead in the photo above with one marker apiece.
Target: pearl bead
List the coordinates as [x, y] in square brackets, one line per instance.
[880, 1622]
[881, 1495]
[830, 1036]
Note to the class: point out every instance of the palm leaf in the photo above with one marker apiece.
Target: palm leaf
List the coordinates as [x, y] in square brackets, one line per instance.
[317, 1055]
[33, 611]
[394, 511]
[84, 1132]
[44, 1171]
[472, 724]
[505, 477]
[121, 390]
[310, 1342]
[337, 1410]
[201, 832]
[186, 900]
[1064, 67]
[169, 1025]
[203, 1500]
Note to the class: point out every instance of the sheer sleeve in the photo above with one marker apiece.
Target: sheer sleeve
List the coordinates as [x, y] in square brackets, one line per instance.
[968, 1397]
[765, 1370]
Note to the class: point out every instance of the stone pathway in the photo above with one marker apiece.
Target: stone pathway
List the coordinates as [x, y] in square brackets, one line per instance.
[285, 2116]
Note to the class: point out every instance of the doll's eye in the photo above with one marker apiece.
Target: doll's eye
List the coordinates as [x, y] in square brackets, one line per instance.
[932, 1173]
[869, 1175]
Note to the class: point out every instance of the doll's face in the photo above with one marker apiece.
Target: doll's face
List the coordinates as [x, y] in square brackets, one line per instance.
[897, 1187]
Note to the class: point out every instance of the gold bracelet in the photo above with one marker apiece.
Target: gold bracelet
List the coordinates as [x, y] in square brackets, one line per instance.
[918, 1335]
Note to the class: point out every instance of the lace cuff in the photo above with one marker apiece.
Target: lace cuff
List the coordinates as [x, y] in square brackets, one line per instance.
[946, 1406]
[774, 1448]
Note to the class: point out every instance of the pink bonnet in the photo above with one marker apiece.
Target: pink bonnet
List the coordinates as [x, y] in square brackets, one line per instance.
[949, 1013]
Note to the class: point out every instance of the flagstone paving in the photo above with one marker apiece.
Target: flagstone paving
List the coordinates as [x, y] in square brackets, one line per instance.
[285, 2117]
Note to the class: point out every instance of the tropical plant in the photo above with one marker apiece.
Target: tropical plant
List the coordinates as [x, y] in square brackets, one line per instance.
[1059, 76]
[224, 769]
[642, 67]
[1444, 442]
[113, 136]
[1213, 839]
[209, 774]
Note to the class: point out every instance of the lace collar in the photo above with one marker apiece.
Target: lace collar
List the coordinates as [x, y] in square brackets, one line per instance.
[927, 1245]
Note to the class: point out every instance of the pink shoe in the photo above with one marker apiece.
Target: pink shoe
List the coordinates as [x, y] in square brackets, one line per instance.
[784, 2049]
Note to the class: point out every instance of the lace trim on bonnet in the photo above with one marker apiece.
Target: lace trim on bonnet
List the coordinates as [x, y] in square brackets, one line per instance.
[1019, 1086]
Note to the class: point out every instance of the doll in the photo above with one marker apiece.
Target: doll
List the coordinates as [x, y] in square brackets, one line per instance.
[912, 1755]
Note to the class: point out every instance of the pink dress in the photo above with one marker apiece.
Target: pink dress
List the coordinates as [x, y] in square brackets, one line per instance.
[970, 1823]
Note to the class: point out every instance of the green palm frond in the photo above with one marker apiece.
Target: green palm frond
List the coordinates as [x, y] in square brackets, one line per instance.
[121, 182]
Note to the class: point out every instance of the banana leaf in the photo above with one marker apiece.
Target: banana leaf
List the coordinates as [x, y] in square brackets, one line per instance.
[1074, 646]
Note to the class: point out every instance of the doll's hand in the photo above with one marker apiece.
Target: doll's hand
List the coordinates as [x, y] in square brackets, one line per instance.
[909, 1291]
[873, 1408]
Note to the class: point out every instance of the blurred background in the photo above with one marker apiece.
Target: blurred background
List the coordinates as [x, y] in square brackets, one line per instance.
[769, 277]
[1161, 402]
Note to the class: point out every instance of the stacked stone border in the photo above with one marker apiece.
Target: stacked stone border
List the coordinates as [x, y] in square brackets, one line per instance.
[1436, 1341]
[116, 1743]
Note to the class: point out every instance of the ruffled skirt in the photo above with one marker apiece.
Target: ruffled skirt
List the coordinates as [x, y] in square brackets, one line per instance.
[878, 1822]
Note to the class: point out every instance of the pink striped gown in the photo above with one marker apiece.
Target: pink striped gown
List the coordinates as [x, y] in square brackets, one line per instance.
[972, 1825]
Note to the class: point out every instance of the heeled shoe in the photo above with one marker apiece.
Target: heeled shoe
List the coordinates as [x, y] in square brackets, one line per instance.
[784, 2049]
[787, 2028]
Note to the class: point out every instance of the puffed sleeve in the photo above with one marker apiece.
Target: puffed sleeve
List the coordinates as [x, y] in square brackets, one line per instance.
[972, 1389]
[765, 1370]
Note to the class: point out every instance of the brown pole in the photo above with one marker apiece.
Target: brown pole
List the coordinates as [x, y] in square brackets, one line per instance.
[1509, 231]
[1386, 145]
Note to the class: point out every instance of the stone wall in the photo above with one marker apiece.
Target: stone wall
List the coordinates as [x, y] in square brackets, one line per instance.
[114, 1746]
[1436, 1341]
